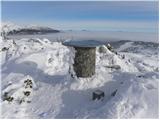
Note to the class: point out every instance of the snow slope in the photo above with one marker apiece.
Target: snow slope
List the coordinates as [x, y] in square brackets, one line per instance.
[43, 69]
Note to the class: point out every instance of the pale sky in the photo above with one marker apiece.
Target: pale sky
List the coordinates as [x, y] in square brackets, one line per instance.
[107, 15]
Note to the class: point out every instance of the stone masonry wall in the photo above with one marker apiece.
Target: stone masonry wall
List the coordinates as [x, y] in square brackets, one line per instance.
[84, 61]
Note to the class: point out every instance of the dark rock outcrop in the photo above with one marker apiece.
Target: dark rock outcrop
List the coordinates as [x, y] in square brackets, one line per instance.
[32, 31]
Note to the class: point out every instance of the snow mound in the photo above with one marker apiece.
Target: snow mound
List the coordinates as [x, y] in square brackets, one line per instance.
[17, 91]
[109, 59]
[9, 26]
[125, 104]
[38, 81]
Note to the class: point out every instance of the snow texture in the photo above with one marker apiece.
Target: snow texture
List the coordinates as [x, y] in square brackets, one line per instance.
[38, 75]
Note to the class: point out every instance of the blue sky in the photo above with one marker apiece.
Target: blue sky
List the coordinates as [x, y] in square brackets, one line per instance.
[106, 15]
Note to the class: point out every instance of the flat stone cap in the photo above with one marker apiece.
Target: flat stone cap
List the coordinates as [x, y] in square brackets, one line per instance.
[98, 92]
[83, 43]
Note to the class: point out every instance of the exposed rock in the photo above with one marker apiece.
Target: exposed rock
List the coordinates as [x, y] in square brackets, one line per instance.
[114, 93]
[27, 93]
[5, 49]
[97, 95]
[7, 97]
[30, 31]
[117, 67]
[109, 47]
[102, 49]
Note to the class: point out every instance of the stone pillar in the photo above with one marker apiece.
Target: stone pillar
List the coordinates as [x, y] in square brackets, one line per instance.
[84, 61]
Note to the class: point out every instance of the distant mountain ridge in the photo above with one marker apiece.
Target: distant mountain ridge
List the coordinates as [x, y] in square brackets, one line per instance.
[12, 29]
[31, 31]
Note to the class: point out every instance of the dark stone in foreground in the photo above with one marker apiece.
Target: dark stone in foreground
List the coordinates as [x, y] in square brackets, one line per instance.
[84, 61]
[97, 95]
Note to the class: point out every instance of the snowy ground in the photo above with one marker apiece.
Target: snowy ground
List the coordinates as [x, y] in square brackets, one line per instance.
[36, 81]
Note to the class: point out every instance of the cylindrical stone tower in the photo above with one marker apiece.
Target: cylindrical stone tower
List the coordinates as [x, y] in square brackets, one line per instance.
[85, 56]
[84, 61]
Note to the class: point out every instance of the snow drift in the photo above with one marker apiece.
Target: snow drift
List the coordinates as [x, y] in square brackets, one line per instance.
[37, 82]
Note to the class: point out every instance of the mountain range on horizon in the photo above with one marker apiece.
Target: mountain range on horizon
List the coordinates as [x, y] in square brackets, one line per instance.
[9, 28]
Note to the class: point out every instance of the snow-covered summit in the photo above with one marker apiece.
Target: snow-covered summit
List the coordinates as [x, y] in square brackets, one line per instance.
[37, 82]
[9, 28]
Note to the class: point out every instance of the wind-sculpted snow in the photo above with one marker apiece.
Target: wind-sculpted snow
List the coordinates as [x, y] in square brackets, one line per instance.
[38, 81]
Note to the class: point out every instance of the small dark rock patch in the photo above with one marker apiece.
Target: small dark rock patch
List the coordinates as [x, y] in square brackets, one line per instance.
[7, 97]
[98, 95]
[27, 93]
[5, 49]
[114, 93]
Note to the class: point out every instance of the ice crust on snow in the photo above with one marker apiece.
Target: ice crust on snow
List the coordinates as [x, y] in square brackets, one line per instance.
[58, 93]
